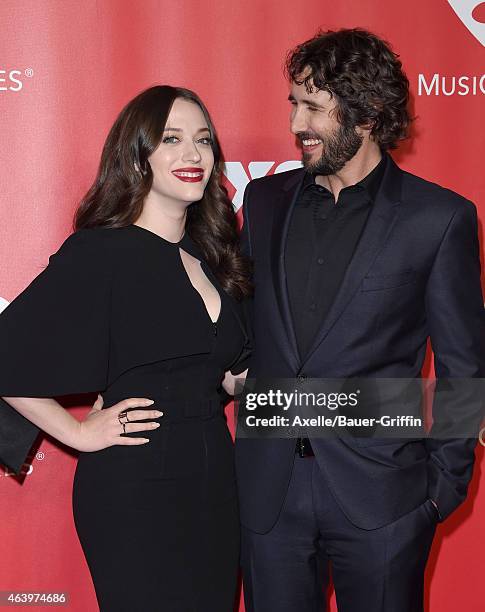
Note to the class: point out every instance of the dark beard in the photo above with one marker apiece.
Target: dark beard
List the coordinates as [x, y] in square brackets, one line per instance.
[338, 149]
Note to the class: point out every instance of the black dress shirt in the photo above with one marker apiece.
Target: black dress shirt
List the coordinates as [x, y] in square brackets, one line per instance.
[321, 240]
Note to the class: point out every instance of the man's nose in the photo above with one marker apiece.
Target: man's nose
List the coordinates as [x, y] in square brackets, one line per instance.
[297, 121]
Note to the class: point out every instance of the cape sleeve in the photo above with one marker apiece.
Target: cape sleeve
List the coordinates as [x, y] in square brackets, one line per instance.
[54, 337]
[243, 361]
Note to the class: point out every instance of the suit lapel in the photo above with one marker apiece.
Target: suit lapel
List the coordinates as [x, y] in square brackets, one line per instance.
[379, 224]
[282, 211]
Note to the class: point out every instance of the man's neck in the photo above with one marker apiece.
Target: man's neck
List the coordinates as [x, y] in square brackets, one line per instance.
[353, 172]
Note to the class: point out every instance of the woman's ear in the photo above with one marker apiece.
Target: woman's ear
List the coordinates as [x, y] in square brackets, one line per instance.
[138, 169]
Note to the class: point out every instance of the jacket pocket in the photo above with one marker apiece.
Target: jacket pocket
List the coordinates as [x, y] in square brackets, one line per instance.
[388, 281]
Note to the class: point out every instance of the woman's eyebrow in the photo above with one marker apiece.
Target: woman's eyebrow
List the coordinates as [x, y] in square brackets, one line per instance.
[173, 129]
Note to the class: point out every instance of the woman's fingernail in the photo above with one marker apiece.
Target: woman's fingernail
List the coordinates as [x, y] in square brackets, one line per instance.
[158, 412]
[148, 402]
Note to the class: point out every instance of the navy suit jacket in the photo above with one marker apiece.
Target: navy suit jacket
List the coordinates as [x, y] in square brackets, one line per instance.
[415, 275]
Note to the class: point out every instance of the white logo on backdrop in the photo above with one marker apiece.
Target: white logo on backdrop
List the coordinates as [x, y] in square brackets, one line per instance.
[469, 13]
[12, 79]
[446, 85]
[239, 178]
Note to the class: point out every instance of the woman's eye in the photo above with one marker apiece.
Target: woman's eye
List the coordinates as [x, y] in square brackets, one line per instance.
[206, 141]
[170, 139]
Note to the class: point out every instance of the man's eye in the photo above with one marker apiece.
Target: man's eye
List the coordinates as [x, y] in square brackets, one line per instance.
[170, 139]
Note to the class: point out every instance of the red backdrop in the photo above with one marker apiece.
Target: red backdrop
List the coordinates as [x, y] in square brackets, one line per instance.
[67, 68]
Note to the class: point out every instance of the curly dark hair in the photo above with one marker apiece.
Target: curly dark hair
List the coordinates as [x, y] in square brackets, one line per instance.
[125, 178]
[363, 74]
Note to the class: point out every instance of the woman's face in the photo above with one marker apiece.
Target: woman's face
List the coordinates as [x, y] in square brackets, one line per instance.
[183, 161]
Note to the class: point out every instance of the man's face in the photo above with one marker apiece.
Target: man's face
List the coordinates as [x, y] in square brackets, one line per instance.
[327, 145]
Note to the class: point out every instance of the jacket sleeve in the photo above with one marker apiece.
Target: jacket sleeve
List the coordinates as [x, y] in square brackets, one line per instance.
[54, 337]
[456, 318]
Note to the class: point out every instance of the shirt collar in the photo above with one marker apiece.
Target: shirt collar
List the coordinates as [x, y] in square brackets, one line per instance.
[370, 183]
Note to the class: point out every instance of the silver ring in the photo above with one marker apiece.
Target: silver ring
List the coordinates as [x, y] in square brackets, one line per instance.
[122, 414]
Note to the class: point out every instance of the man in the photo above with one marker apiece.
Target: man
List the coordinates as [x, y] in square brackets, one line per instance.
[356, 264]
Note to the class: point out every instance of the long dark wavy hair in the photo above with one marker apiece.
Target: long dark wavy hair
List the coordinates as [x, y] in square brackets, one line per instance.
[363, 74]
[125, 178]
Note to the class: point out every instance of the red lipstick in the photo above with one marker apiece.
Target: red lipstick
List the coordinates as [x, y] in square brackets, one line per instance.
[189, 175]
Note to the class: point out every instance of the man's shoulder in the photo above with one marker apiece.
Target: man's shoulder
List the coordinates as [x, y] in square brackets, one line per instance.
[433, 196]
[276, 182]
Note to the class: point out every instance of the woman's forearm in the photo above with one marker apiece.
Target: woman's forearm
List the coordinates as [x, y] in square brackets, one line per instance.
[49, 416]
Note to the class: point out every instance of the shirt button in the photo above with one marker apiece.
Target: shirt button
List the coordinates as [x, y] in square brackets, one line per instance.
[320, 261]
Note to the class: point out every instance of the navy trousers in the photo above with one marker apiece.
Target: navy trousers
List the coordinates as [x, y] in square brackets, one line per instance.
[380, 570]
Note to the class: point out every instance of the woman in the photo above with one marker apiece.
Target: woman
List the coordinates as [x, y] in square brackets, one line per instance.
[143, 301]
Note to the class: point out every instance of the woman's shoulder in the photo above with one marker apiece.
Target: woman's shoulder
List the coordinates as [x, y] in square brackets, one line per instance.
[111, 253]
[95, 237]
[97, 249]
[97, 242]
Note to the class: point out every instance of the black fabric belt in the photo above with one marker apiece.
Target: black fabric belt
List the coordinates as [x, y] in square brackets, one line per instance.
[202, 408]
[304, 448]
[178, 410]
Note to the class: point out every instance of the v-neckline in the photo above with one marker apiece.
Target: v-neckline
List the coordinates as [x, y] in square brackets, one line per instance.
[180, 245]
[197, 291]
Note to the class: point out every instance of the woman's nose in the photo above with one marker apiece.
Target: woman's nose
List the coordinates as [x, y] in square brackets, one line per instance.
[191, 153]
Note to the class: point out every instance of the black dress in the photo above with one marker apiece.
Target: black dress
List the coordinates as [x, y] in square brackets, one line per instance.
[116, 312]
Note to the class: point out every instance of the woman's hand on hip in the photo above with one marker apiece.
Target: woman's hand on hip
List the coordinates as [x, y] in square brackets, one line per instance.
[103, 428]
